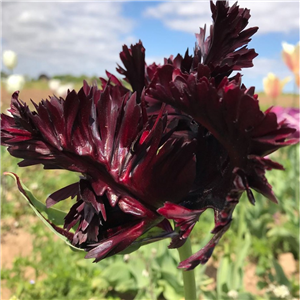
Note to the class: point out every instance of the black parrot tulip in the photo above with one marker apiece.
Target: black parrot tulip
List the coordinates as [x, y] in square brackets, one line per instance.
[186, 138]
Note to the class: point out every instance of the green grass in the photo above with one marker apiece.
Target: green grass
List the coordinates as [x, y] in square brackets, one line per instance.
[150, 273]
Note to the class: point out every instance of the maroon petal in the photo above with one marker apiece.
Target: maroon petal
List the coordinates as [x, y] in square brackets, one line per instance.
[175, 158]
[230, 112]
[203, 255]
[134, 62]
[225, 49]
[88, 195]
[183, 217]
[117, 242]
[64, 193]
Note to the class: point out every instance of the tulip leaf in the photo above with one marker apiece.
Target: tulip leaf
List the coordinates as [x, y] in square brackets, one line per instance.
[50, 216]
[236, 282]
[222, 275]
[280, 276]
[119, 275]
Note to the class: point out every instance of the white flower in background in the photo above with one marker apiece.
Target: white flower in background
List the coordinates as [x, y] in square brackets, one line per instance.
[271, 288]
[60, 89]
[153, 251]
[14, 83]
[54, 84]
[233, 294]
[10, 59]
[281, 291]
[126, 258]
[34, 186]
[14, 298]
[145, 273]
[63, 89]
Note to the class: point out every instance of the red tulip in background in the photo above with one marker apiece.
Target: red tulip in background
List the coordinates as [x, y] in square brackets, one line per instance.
[186, 138]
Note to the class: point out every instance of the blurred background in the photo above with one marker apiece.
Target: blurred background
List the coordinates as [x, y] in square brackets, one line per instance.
[51, 47]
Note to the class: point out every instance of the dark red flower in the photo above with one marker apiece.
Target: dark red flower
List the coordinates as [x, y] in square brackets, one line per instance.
[187, 138]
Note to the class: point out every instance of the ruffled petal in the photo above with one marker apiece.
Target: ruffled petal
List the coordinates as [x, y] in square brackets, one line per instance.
[228, 111]
[225, 50]
[62, 194]
[133, 59]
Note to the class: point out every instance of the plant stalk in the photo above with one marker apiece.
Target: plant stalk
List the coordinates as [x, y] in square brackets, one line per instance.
[189, 283]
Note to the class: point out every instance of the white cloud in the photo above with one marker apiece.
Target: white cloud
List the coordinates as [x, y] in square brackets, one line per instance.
[181, 16]
[269, 16]
[62, 37]
[273, 16]
[262, 66]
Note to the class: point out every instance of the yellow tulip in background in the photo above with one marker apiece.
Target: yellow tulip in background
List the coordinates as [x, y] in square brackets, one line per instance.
[290, 56]
[273, 85]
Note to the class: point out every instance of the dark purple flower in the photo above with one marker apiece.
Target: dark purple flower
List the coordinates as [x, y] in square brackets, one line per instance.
[187, 138]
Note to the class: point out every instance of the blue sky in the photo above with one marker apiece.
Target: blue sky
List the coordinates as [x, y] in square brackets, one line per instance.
[86, 37]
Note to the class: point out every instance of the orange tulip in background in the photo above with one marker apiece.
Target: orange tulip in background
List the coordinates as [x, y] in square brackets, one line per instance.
[290, 56]
[273, 85]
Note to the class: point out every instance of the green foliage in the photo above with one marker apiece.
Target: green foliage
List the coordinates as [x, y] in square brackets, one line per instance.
[3, 74]
[59, 272]
[257, 236]
[47, 215]
[75, 79]
[41, 182]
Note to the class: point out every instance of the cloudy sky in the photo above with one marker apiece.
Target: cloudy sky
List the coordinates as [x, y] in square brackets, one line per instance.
[86, 37]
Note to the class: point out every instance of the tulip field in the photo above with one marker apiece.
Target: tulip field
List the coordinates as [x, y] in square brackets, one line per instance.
[258, 258]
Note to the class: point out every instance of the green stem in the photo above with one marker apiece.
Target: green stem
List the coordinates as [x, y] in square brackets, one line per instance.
[188, 276]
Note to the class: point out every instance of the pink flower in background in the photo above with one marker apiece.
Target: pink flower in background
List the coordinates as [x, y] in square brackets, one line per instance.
[273, 85]
[291, 116]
